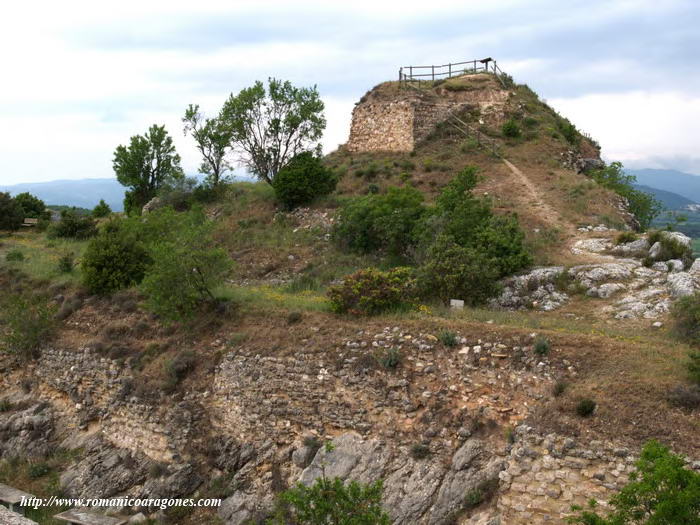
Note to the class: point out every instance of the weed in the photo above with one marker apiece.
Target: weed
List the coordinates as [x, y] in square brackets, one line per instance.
[14, 256]
[559, 388]
[390, 358]
[448, 338]
[586, 407]
[420, 451]
[542, 346]
[625, 237]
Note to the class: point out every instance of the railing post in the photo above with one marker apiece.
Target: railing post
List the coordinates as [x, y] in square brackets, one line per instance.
[433, 68]
[450, 73]
[411, 71]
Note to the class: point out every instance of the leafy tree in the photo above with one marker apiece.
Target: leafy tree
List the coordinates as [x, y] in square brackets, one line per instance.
[302, 180]
[101, 210]
[149, 162]
[186, 267]
[33, 206]
[272, 126]
[115, 259]
[332, 502]
[662, 491]
[213, 137]
[644, 206]
[11, 213]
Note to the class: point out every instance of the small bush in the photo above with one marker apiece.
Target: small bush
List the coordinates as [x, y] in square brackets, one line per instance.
[451, 271]
[686, 316]
[371, 291]
[684, 396]
[73, 226]
[14, 255]
[302, 180]
[420, 451]
[481, 493]
[380, 222]
[178, 368]
[29, 323]
[390, 358]
[559, 388]
[114, 260]
[542, 346]
[586, 407]
[694, 366]
[5, 406]
[294, 318]
[625, 237]
[66, 263]
[38, 470]
[448, 338]
[511, 129]
[671, 248]
[101, 210]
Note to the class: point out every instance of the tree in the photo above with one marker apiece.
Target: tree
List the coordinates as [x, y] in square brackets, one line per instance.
[214, 140]
[302, 180]
[271, 126]
[32, 206]
[186, 267]
[662, 491]
[149, 162]
[644, 206]
[11, 213]
[101, 210]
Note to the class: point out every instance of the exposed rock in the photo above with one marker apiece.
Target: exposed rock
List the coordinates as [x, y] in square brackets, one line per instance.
[27, 433]
[12, 518]
[638, 248]
[655, 250]
[681, 284]
[152, 205]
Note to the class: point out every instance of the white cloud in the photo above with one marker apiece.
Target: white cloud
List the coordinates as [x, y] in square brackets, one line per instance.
[638, 126]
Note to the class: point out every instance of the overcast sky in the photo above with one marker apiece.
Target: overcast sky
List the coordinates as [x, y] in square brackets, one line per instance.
[79, 78]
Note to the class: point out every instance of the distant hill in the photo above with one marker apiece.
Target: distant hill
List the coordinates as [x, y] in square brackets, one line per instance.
[683, 184]
[84, 193]
[670, 200]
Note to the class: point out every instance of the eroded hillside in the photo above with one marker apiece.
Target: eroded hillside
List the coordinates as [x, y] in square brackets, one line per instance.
[468, 415]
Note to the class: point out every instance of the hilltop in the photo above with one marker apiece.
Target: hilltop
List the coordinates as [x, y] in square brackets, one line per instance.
[469, 414]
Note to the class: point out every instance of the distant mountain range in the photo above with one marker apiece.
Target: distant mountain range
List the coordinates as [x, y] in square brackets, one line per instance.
[84, 193]
[670, 200]
[683, 184]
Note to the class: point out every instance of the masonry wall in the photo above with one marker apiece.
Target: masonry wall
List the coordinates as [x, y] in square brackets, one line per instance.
[382, 126]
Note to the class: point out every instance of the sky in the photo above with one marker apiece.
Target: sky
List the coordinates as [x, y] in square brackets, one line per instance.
[81, 78]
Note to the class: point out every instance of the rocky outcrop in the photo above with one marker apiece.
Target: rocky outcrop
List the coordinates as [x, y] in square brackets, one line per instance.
[12, 518]
[28, 432]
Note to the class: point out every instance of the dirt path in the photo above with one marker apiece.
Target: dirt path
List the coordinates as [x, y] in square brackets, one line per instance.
[553, 217]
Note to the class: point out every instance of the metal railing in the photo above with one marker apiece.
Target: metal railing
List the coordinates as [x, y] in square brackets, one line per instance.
[471, 132]
[418, 74]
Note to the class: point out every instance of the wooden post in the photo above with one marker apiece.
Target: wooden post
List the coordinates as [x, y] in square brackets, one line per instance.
[411, 72]
[433, 68]
[450, 74]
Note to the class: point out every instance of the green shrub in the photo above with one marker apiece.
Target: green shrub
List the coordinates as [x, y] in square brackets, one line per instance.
[380, 222]
[38, 470]
[14, 255]
[331, 501]
[32, 206]
[661, 490]
[559, 388]
[626, 237]
[642, 205]
[694, 366]
[390, 358]
[186, 266]
[66, 262]
[671, 248]
[114, 259]
[29, 322]
[511, 129]
[448, 338]
[686, 317]
[569, 131]
[73, 226]
[371, 291]
[450, 271]
[685, 396]
[542, 346]
[302, 180]
[585, 407]
[11, 213]
[101, 210]
[420, 451]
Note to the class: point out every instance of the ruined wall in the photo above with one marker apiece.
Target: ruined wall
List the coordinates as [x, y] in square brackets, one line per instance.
[382, 126]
